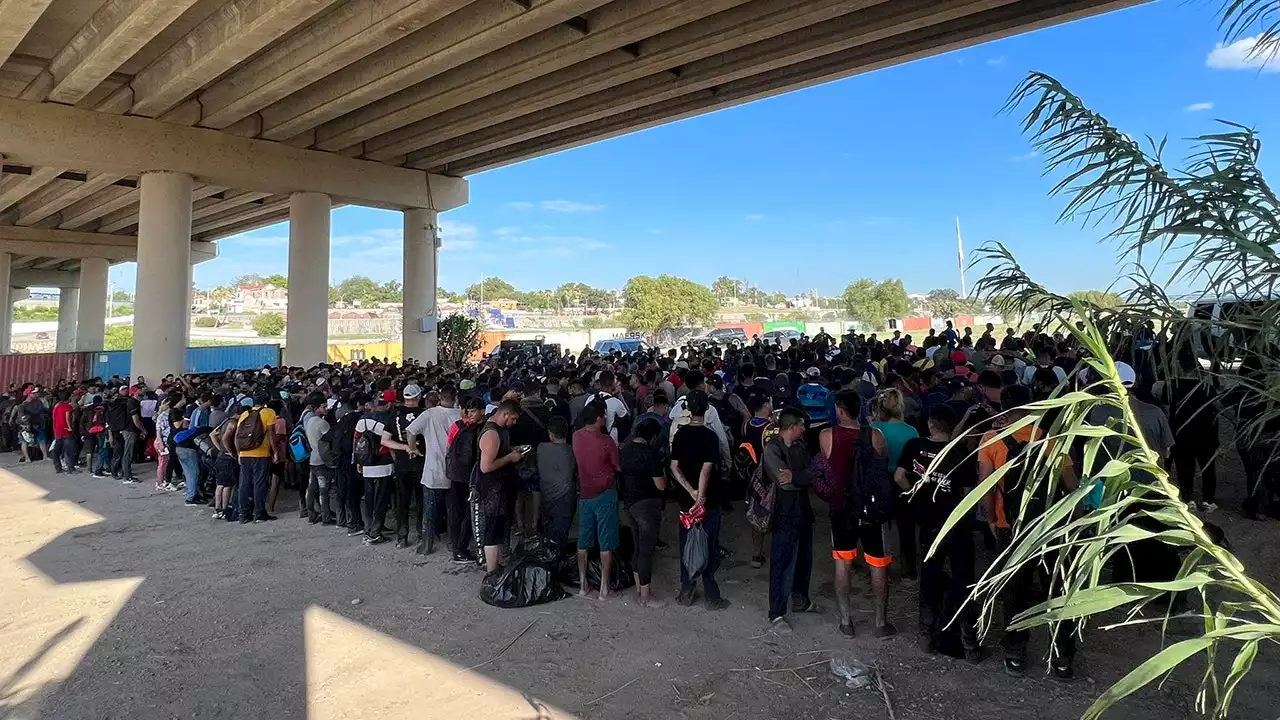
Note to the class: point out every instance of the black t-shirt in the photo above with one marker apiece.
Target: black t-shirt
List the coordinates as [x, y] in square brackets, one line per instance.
[118, 415]
[933, 501]
[36, 413]
[397, 424]
[640, 465]
[693, 446]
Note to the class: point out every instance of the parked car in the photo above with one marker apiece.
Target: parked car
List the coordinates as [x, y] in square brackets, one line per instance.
[720, 336]
[783, 336]
[622, 345]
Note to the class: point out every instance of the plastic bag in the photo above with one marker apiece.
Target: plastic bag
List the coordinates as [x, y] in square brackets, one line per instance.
[694, 552]
[521, 583]
[538, 548]
[622, 574]
[854, 674]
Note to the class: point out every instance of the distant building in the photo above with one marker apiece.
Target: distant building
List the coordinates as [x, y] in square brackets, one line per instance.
[261, 297]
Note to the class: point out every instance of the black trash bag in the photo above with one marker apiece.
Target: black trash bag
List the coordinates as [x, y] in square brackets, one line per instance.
[538, 548]
[622, 571]
[522, 583]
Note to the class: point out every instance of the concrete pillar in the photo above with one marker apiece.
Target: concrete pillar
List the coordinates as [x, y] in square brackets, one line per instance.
[91, 322]
[6, 305]
[421, 246]
[163, 301]
[68, 315]
[307, 330]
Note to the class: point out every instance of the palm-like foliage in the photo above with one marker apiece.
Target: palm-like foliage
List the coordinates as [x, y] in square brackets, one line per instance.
[1212, 223]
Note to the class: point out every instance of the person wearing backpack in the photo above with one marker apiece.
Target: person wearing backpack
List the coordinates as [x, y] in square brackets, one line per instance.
[321, 460]
[407, 456]
[786, 465]
[1002, 506]
[433, 425]
[254, 444]
[93, 428]
[459, 464]
[859, 495]
[350, 485]
[374, 465]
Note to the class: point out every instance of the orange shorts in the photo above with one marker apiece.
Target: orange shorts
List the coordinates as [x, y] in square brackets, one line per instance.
[847, 533]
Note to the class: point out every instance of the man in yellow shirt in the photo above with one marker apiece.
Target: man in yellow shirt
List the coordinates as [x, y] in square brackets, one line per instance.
[254, 447]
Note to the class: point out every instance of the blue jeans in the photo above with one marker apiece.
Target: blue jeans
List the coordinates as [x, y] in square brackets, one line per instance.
[255, 474]
[711, 524]
[189, 458]
[790, 561]
[104, 455]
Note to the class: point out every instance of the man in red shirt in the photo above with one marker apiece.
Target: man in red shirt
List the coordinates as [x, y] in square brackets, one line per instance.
[598, 466]
[66, 446]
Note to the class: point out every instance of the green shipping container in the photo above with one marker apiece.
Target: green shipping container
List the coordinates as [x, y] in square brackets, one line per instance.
[784, 325]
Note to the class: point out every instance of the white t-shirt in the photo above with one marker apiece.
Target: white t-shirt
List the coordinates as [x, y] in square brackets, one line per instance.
[613, 410]
[433, 425]
[373, 426]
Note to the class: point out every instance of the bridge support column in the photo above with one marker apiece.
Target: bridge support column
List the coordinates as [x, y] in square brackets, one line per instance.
[163, 302]
[68, 312]
[91, 323]
[421, 247]
[307, 331]
[6, 305]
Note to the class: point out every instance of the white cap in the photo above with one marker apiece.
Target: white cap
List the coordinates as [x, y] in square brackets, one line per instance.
[412, 390]
[813, 372]
[682, 365]
[1127, 376]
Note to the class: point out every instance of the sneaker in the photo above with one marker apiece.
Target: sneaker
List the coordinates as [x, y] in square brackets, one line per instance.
[1061, 670]
[1193, 507]
[193, 502]
[330, 521]
[229, 516]
[780, 625]
[717, 604]
[886, 631]
[376, 540]
[757, 562]
[401, 543]
[100, 475]
[685, 597]
[846, 629]
[313, 519]
[1208, 507]
[352, 532]
[264, 518]
[246, 520]
[133, 481]
[804, 605]
[1015, 668]
[460, 559]
[218, 515]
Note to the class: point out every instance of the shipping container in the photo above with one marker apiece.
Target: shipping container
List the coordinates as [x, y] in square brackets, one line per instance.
[963, 321]
[916, 324]
[750, 329]
[197, 360]
[784, 325]
[356, 352]
[41, 368]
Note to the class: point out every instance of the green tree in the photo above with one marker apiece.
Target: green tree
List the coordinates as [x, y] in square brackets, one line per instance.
[277, 279]
[495, 288]
[726, 288]
[597, 299]
[539, 299]
[269, 325]
[118, 337]
[592, 323]
[121, 296]
[775, 299]
[875, 302]
[1099, 298]
[654, 304]
[570, 294]
[206, 321]
[458, 339]
[358, 288]
[756, 317]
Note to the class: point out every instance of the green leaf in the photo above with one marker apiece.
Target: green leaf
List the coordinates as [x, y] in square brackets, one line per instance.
[1161, 663]
[1243, 663]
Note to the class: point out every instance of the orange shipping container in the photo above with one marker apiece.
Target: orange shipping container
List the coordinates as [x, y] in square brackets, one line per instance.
[488, 343]
[916, 324]
[750, 328]
[963, 321]
[41, 368]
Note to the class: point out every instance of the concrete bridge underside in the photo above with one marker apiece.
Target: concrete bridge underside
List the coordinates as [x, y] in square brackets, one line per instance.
[148, 129]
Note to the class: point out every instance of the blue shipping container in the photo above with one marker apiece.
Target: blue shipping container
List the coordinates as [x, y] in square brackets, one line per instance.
[198, 359]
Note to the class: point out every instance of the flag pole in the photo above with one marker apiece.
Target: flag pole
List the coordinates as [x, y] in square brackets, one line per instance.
[964, 292]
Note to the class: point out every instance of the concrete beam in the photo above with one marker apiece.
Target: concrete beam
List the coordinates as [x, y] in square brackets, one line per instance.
[51, 199]
[1023, 16]
[798, 45]
[239, 215]
[118, 30]
[20, 189]
[19, 17]
[128, 217]
[739, 29]
[350, 32]
[80, 214]
[613, 26]
[46, 134]
[480, 28]
[245, 226]
[234, 33]
[44, 242]
[45, 278]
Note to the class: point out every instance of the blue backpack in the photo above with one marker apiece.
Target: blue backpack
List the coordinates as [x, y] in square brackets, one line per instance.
[299, 446]
[815, 400]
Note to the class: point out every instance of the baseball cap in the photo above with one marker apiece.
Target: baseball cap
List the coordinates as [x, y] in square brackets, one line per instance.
[682, 365]
[388, 395]
[412, 391]
[1127, 376]
[996, 361]
[813, 372]
[246, 401]
[467, 385]
[959, 358]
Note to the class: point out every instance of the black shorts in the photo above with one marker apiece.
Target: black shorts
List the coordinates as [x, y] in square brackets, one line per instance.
[226, 471]
[847, 533]
[495, 530]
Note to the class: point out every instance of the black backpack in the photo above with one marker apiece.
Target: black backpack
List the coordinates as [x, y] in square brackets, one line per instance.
[366, 448]
[463, 453]
[1015, 483]
[345, 434]
[869, 493]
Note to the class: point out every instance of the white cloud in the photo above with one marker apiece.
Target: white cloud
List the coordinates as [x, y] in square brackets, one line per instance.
[996, 61]
[755, 217]
[458, 235]
[1241, 55]
[569, 206]
[1025, 156]
[1199, 107]
[522, 205]
[505, 231]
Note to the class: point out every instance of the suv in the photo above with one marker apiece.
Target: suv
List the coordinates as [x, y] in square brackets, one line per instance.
[721, 336]
[784, 336]
[625, 346]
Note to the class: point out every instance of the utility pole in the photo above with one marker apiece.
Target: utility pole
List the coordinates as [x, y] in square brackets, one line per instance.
[964, 292]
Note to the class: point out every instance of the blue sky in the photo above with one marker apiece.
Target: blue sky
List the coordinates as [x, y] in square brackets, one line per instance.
[810, 190]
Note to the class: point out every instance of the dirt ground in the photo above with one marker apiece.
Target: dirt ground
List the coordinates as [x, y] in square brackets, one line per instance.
[119, 603]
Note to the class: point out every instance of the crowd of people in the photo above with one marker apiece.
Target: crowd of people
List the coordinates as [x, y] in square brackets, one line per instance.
[577, 447]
